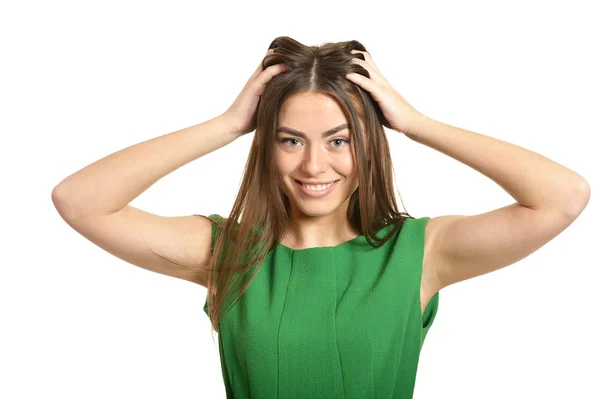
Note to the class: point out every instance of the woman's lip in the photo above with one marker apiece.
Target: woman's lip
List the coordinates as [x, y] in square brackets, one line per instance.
[316, 194]
[316, 184]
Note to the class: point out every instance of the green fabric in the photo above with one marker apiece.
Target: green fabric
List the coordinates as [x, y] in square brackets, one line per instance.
[330, 322]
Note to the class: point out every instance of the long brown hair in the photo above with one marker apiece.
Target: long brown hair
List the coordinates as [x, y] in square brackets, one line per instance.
[261, 211]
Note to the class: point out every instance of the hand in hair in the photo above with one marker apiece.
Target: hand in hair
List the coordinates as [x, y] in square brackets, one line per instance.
[399, 113]
[240, 113]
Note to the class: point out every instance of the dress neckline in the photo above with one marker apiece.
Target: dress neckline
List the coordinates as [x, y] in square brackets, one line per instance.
[324, 248]
[358, 242]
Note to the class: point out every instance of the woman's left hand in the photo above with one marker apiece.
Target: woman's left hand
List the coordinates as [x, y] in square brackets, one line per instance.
[400, 114]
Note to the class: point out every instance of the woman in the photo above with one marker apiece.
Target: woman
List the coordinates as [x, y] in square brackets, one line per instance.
[330, 290]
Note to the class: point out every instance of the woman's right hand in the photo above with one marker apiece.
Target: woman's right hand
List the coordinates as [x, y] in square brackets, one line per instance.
[240, 113]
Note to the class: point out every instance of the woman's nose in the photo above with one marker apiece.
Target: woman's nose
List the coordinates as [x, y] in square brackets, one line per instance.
[315, 160]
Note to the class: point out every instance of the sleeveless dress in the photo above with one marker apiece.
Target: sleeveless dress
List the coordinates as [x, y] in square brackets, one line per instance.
[330, 322]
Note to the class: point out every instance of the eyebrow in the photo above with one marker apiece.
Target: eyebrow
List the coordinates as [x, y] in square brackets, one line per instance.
[300, 134]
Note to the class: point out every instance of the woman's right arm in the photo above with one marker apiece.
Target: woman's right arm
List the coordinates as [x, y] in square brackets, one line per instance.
[109, 184]
[94, 201]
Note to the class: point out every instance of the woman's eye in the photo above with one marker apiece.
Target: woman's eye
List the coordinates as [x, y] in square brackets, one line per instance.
[287, 140]
[339, 145]
[342, 140]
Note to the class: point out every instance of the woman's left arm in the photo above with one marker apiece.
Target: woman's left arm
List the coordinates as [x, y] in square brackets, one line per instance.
[533, 180]
[549, 198]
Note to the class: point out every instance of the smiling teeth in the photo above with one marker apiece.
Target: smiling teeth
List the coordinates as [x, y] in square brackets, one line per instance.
[318, 187]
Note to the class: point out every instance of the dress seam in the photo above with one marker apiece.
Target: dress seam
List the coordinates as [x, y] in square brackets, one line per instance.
[287, 289]
[335, 325]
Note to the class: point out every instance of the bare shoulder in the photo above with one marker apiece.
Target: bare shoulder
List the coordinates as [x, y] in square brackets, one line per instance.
[433, 258]
[430, 283]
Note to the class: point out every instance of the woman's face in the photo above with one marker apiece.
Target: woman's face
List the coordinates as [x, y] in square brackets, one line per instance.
[304, 152]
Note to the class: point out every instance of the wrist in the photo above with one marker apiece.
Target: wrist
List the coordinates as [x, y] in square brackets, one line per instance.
[227, 127]
[417, 125]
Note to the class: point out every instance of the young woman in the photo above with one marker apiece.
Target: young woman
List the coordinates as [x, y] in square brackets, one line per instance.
[335, 289]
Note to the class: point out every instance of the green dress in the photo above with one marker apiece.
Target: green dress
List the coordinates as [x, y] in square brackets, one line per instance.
[330, 322]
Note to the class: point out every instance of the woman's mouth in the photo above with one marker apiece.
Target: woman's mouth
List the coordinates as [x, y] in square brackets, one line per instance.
[316, 190]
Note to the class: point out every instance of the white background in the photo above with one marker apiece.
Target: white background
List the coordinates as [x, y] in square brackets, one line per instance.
[81, 80]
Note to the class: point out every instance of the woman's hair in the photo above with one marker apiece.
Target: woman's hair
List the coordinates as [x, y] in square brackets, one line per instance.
[261, 210]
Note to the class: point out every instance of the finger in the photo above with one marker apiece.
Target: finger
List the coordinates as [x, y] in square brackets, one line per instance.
[374, 74]
[364, 53]
[268, 74]
[259, 68]
[368, 59]
[366, 83]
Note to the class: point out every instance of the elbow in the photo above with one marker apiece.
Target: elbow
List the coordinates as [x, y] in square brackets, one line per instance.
[60, 200]
[579, 199]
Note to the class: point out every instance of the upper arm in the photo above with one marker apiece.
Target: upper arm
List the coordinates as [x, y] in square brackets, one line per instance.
[178, 246]
[462, 247]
